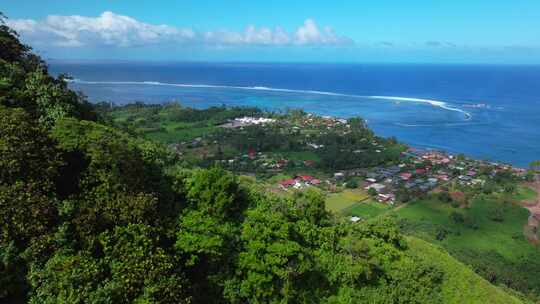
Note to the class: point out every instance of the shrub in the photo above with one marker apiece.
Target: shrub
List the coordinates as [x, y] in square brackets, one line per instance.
[457, 217]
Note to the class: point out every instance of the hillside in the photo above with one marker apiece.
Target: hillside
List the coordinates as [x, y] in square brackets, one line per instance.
[488, 235]
[460, 283]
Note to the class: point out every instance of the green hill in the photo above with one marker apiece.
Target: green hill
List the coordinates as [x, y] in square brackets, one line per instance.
[494, 247]
[460, 284]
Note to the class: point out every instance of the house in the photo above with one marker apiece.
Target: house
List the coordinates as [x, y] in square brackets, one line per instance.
[372, 175]
[252, 153]
[254, 121]
[306, 178]
[386, 198]
[410, 185]
[383, 197]
[443, 177]
[377, 187]
[288, 183]
[464, 178]
[355, 219]
[339, 175]
[420, 171]
[405, 176]
[424, 187]
[315, 146]
[394, 169]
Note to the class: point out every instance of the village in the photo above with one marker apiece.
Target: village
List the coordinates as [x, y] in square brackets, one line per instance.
[420, 172]
[413, 173]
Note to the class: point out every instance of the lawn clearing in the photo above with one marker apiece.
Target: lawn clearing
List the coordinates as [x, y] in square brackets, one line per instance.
[525, 193]
[337, 202]
[367, 209]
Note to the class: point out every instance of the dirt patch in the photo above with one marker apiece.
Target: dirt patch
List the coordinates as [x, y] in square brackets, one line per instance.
[530, 230]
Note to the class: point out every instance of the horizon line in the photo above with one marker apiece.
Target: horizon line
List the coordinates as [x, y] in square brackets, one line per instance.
[164, 61]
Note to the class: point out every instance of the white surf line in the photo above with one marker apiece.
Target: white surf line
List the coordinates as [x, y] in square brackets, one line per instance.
[435, 103]
[209, 86]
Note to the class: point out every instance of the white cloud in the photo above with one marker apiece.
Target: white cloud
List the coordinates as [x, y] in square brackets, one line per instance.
[309, 33]
[110, 29]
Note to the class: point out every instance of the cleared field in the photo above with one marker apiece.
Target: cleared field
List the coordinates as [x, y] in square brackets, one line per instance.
[367, 209]
[525, 193]
[337, 202]
[169, 134]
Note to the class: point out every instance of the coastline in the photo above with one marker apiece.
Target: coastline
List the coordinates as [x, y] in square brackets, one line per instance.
[503, 126]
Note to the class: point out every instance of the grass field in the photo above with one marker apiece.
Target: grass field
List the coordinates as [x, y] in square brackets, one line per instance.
[489, 235]
[163, 130]
[171, 132]
[367, 209]
[337, 202]
[525, 193]
[497, 249]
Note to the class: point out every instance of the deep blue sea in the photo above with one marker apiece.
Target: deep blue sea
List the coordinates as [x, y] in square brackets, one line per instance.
[485, 111]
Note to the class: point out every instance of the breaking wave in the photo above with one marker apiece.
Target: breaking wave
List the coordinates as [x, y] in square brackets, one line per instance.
[435, 103]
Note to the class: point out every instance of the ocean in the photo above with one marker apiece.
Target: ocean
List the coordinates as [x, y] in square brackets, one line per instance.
[490, 112]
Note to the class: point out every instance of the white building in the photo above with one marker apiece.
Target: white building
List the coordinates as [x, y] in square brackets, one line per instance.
[254, 120]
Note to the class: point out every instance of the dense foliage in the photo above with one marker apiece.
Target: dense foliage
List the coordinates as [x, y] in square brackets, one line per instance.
[91, 214]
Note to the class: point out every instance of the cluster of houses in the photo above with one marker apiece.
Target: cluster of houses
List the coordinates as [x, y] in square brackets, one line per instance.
[299, 182]
[420, 171]
[328, 122]
[423, 171]
[253, 160]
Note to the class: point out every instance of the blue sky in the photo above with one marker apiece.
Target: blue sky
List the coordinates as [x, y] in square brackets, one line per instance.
[458, 31]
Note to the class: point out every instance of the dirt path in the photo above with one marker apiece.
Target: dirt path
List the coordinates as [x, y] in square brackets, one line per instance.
[531, 228]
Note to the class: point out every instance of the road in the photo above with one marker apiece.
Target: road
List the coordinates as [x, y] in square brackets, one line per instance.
[531, 228]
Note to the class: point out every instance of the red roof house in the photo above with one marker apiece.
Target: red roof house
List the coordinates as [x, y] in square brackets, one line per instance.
[405, 175]
[252, 153]
[306, 178]
[471, 173]
[287, 183]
